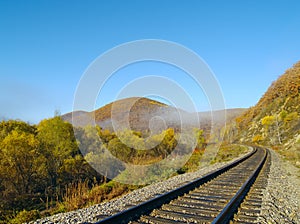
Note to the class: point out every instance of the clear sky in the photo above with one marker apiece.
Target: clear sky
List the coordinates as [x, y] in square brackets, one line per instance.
[46, 45]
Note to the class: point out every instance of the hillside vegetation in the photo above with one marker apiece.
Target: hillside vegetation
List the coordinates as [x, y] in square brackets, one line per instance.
[43, 171]
[274, 120]
[38, 163]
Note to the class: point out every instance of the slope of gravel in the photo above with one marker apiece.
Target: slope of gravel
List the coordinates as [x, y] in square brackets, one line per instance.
[96, 212]
[281, 199]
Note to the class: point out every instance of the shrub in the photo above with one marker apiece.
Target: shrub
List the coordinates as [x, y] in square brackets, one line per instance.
[257, 138]
[25, 216]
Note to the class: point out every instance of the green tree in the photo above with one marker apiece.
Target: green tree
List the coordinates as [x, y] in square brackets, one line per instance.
[76, 169]
[104, 162]
[120, 150]
[58, 144]
[7, 127]
[132, 139]
[198, 133]
[163, 143]
[105, 135]
[272, 127]
[88, 138]
[22, 163]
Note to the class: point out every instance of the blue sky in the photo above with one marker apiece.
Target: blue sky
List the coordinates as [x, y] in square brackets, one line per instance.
[45, 46]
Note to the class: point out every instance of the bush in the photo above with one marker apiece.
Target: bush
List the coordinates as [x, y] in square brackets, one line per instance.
[25, 216]
[257, 138]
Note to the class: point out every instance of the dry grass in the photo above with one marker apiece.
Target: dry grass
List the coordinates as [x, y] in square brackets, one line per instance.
[76, 195]
[228, 152]
[81, 195]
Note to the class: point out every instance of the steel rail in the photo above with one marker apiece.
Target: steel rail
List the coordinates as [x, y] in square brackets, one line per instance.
[229, 210]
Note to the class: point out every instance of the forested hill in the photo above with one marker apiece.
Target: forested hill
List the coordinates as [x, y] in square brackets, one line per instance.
[138, 110]
[274, 120]
[141, 112]
[104, 113]
[283, 94]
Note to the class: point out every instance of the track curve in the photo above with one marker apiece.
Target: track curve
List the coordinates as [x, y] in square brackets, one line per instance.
[213, 198]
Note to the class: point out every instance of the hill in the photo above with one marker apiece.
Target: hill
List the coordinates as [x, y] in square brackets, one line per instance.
[138, 111]
[274, 120]
[142, 112]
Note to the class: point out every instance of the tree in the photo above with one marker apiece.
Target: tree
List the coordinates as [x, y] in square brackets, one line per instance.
[21, 164]
[199, 138]
[120, 150]
[6, 127]
[106, 164]
[76, 169]
[273, 121]
[88, 139]
[164, 143]
[132, 139]
[58, 143]
[105, 135]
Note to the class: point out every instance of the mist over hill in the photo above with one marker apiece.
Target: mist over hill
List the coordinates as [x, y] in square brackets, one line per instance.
[143, 114]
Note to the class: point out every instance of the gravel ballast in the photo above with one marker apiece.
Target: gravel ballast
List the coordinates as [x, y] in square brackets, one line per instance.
[281, 196]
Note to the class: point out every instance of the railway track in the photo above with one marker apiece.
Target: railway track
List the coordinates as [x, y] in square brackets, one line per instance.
[214, 198]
